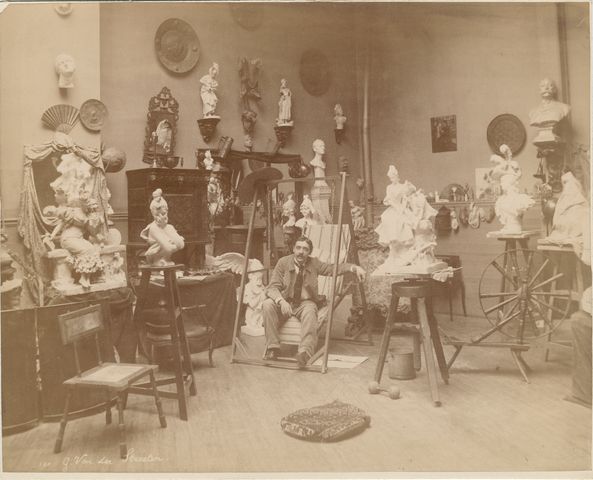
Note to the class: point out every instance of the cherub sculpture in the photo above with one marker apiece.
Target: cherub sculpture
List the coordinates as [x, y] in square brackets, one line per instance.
[162, 237]
[512, 204]
[255, 290]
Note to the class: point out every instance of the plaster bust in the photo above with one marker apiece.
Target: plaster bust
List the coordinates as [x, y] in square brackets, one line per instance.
[65, 68]
[550, 111]
[339, 117]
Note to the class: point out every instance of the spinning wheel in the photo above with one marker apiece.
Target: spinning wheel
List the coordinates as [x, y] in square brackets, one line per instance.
[519, 298]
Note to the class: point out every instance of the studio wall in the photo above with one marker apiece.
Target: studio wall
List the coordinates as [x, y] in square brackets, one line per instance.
[131, 74]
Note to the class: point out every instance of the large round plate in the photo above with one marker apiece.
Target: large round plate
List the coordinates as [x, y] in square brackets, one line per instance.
[177, 45]
[315, 72]
[506, 129]
[92, 114]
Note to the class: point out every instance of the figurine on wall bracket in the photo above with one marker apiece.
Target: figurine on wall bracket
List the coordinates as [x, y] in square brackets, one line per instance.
[65, 68]
[162, 237]
[512, 204]
[284, 122]
[340, 120]
[210, 119]
[249, 71]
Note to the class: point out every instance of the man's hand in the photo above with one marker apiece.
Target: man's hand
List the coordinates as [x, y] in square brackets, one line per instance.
[360, 272]
[285, 308]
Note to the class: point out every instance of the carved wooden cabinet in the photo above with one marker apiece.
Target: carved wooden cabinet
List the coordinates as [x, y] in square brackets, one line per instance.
[185, 191]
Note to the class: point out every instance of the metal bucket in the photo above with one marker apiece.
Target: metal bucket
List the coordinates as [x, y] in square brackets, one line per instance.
[401, 365]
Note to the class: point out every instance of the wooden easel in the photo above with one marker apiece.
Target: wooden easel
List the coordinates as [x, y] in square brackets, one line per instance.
[333, 302]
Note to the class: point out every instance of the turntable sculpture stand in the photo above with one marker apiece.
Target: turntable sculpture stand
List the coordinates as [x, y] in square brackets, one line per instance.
[510, 250]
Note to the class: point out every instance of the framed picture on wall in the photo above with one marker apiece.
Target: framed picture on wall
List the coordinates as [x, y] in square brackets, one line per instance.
[443, 131]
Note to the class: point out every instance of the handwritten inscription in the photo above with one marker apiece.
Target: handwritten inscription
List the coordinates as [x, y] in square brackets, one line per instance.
[78, 460]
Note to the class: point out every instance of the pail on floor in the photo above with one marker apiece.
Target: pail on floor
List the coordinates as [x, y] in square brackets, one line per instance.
[401, 365]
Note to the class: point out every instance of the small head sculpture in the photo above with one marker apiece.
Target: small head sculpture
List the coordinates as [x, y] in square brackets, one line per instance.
[283, 83]
[338, 111]
[393, 174]
[213, 70]
[547, 89]
[65, 68]
[159, 208]
[319, 146]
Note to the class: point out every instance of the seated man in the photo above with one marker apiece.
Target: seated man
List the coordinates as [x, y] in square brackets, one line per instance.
[293, 291]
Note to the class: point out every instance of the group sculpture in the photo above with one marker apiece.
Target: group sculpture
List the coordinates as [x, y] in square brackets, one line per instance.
[406, 228]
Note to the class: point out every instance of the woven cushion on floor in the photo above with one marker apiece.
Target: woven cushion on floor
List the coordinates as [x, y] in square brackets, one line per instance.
[326, 423]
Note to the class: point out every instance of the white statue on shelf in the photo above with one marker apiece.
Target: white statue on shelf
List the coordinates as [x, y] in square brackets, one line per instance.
[308, 215]
[571, 218]
[208, 160]
[255, 290]
[284, 106]
[512, 204]
[357, 213]
[162, 237]
[339, 117]
[208, 92]
[406, 227]
[548, 114]
[65, 68]
[289, 211]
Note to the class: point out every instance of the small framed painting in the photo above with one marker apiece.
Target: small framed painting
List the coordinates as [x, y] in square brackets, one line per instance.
[443, 132]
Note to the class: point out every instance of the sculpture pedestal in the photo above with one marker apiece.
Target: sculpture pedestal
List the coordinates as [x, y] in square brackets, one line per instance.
[320, 197]
[114, 275]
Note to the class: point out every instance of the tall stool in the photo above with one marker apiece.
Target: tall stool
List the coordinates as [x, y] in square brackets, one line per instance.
[420, 293]
[184, 373]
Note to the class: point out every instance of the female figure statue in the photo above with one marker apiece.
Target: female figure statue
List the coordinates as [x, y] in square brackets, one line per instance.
[208, 92]
[397, 221]
[512, 204]
[163, 240]
[284, 105]
[72, 222]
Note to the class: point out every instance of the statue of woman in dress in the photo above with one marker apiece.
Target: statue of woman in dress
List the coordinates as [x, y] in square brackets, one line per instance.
[284, 105]
[208, 92]
[397, 221]
[163, 239]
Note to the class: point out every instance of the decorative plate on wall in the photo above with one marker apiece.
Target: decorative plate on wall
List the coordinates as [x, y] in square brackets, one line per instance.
[177, 45]
[92, 114]
[247, 15]
[506, 129]
[315, 72]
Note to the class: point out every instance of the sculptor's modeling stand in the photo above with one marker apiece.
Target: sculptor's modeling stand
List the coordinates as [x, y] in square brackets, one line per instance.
[510, 261]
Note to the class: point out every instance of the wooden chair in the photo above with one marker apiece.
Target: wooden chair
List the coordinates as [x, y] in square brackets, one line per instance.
[112, 378]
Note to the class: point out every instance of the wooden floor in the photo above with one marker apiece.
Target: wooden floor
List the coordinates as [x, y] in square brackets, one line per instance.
[490, 420]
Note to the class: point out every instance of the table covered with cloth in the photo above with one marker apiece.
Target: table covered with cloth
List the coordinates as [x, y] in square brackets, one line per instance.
[216, 291]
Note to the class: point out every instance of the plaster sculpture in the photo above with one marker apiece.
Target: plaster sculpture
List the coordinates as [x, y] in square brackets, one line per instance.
[308, 215]
[548, 114]
[339, 117]
[406, 227]
[162, 237]
[289, 211]
[65, 68]
[512, 204]
[216, 200]
[357, 214]
[284, 106]
[317, 162]
[571, 215]
[255, 290]
[208, 160]
[208, 92]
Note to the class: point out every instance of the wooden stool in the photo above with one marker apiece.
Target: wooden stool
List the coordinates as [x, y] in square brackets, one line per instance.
[184, 373]
[576, 284]
[420, 292]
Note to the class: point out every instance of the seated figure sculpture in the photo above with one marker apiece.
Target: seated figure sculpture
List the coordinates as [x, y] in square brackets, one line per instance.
[406, 227]
[162, 238]
[512, 204]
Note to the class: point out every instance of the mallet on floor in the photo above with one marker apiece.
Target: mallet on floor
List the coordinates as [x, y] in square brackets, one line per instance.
[375, 388]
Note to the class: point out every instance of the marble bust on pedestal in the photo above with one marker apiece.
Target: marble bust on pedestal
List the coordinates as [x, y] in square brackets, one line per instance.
[548, 114]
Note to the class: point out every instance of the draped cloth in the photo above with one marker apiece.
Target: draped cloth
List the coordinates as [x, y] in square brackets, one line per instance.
[31, 223]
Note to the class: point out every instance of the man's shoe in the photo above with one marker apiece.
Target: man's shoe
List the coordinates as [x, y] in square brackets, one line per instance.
[302, 358]
[272, 354]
